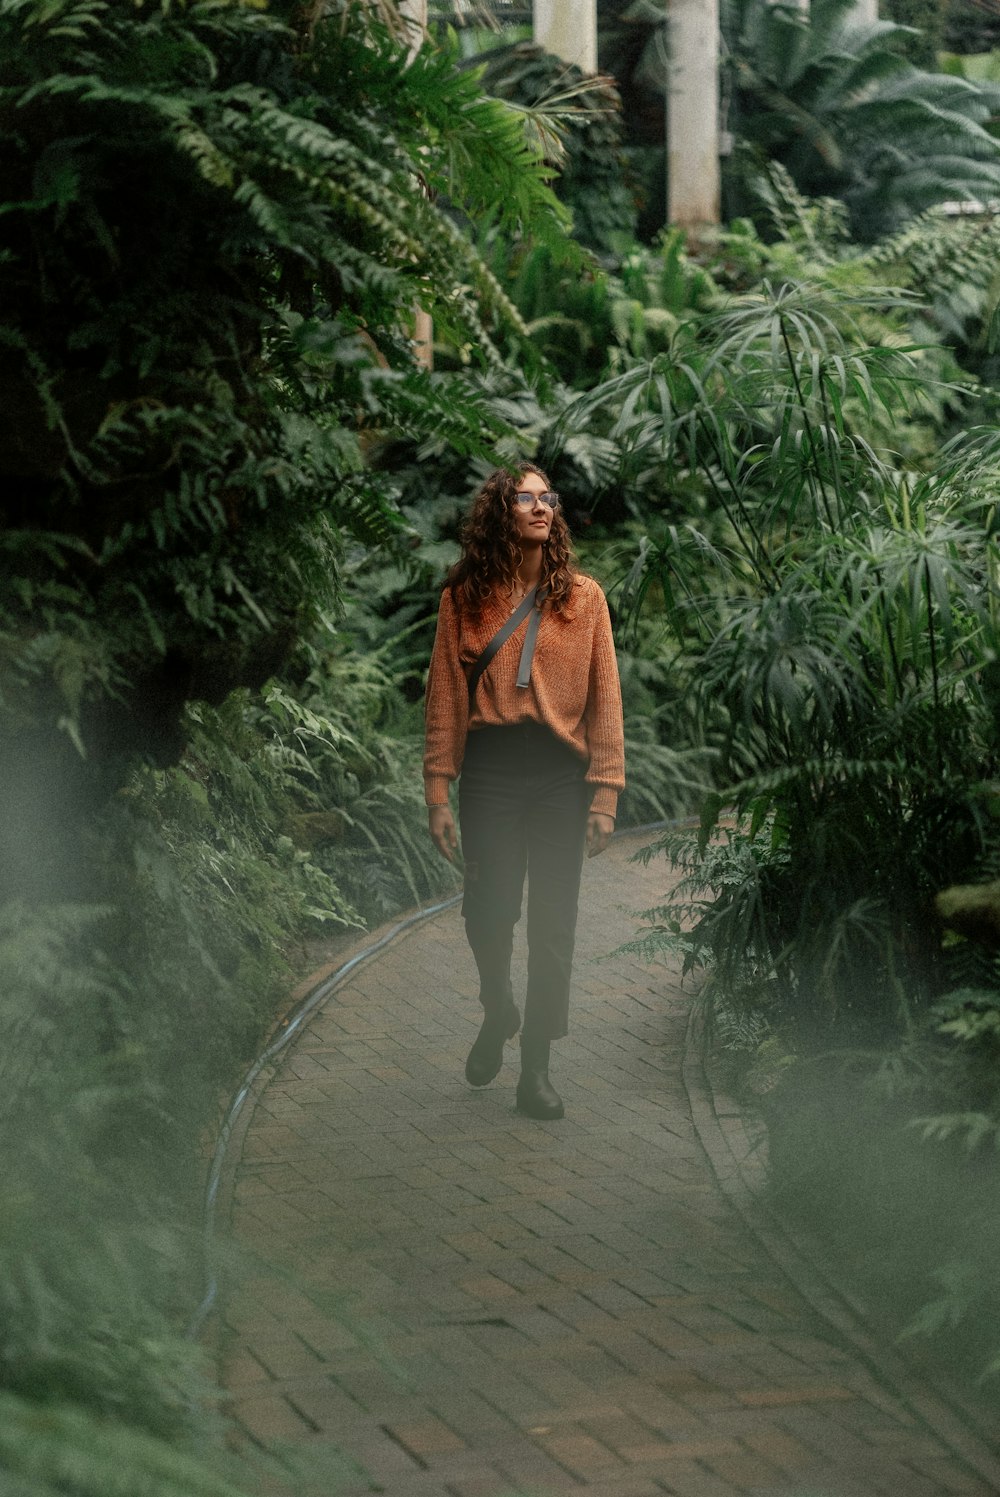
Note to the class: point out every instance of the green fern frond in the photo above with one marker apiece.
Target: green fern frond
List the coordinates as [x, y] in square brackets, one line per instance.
[971, 1129]
[212, 164]
[67, 1449]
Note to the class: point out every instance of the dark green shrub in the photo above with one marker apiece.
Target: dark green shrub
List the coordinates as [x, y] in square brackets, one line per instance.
[593, 178]
[847, 113]
[217, 223]
[930, 19]
[968, 27]
[215, 238]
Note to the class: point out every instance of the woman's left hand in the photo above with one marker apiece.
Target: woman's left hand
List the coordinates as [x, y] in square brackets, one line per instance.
[600, 830]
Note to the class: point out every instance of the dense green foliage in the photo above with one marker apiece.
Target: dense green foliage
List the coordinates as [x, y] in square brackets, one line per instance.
[593, 179]
[861, 112]
[830, 593]
[633, 46]
[968, 26]
[846, 112]
[927, 20]
[215, 237]
[231, 494]
[217, 225]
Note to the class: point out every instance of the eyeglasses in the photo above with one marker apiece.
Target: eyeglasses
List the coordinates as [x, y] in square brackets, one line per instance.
[524, 500]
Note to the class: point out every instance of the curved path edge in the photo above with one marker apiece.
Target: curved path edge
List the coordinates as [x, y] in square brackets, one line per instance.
[306, 999]
[289, 1386]
[733, 1145]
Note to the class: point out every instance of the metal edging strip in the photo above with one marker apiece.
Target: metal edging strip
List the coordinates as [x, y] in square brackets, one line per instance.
[312, 1001]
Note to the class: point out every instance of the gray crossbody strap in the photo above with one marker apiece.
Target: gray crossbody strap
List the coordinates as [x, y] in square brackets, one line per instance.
[528, 648]
[504, 633]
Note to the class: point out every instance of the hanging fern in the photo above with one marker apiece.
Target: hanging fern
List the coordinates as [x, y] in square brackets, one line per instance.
[216, 235]
[218, 222]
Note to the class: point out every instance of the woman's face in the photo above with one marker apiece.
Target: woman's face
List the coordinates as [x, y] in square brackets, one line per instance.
[532, 522]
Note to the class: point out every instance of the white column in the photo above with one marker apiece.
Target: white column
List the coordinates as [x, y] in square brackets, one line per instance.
[567, 28]
[693, 186]
[414, 13]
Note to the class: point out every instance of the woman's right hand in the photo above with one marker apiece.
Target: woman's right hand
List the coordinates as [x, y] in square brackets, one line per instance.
[441, 825]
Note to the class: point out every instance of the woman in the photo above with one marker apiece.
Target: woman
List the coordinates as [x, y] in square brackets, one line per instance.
[523, 702]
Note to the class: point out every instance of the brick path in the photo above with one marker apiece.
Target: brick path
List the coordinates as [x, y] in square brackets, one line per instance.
[453, 1301]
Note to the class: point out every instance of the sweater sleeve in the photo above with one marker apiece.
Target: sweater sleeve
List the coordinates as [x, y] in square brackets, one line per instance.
[603, 717]
[446, 708]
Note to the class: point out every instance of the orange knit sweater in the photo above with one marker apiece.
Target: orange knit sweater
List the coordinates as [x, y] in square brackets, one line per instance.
[574, 689]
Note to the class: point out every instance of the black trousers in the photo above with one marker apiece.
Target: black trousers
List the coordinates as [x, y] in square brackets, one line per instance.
[523, 808]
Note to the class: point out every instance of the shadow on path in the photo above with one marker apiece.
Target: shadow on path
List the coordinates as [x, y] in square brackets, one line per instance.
[464, 1303]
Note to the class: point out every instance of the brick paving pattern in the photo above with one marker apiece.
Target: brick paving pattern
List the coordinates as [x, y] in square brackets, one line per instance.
[442, 1299]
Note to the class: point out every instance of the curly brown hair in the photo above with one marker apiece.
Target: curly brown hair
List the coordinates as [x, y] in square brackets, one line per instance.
[491, 553]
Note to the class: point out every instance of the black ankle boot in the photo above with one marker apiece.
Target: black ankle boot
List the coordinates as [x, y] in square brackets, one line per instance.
[486, 1055]
[536, 1096]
